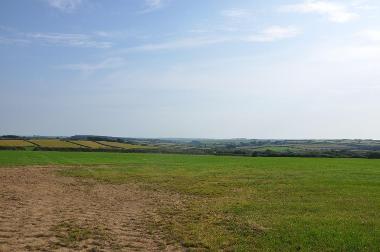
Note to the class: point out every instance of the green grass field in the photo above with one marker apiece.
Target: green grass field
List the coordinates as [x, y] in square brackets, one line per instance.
[245, 204]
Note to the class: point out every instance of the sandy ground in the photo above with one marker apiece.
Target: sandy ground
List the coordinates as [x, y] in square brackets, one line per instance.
[42, 211]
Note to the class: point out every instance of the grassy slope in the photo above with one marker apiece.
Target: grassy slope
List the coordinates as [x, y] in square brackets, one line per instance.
[240, 203]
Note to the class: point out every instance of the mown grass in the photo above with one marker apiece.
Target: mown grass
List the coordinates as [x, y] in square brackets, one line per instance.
[246, 204]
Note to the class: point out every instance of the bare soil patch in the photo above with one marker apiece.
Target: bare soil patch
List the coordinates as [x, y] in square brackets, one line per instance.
[42, 211]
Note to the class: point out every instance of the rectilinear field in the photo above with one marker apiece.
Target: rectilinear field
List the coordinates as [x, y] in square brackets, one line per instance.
[118, 201]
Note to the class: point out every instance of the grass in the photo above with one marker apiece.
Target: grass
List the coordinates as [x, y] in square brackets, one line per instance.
[54, 143]
[71, 234]
[246, 204]
[14, 143]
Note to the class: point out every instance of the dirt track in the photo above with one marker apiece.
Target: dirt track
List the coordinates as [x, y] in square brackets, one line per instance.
[41, 211]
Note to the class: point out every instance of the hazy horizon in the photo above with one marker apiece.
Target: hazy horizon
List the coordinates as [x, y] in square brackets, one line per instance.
[217, 69]
[194, 138]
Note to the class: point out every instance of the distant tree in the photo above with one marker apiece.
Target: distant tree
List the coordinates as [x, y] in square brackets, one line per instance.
[374, 155]
[11, 137]
[255, 154]
[230, 146]
[195, 143]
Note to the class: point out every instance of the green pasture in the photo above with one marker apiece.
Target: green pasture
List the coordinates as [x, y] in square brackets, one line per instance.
[241, 203]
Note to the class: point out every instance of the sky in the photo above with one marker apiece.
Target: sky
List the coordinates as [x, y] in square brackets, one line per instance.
[289, 69]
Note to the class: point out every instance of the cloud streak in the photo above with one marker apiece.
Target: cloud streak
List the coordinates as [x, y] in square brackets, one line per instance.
[65, 5]
[11, 36]
[274, 33]
[335, 12]
[178, 44]
[90, 68]
[152, 5]
[236, 13]
[269, 34]
[69, 40]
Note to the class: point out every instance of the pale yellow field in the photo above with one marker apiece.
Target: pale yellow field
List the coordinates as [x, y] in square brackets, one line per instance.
[14, 143]
[91, 144]
[54, 143]
[125, 145]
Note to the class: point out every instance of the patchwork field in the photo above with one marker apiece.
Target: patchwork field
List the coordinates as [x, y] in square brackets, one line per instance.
[80, 145]
[124, 145]
[15, 143]
[194, 202]
[54, 143]
[91, 144]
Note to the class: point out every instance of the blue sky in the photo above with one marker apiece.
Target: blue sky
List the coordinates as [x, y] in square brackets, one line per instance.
[185, 68]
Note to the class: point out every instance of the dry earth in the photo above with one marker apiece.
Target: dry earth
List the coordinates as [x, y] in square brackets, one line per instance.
[42, 211]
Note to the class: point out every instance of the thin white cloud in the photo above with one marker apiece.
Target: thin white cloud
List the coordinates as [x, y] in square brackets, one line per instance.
[67, 39]
[178, 44]
[274, 33]
[12, 36]
[90, 68]
[335, 12]
[12, 41]
[65, 5]
[236, 13]
[270, 34]
[152, 5]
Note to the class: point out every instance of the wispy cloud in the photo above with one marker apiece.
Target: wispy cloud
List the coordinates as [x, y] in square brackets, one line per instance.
[236, 13]
[90, 68]
[152, 5]
[54, 39]
[67, 39]
[178, 44]
[335, 12]
[65, 5]
[12, 41]
[274, 33]
[270, 34]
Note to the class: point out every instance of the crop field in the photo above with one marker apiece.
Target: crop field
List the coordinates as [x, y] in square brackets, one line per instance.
[124, 145]
[54, 143]
[91, 144]
[219, 202]
[15, 143]
[79, 145]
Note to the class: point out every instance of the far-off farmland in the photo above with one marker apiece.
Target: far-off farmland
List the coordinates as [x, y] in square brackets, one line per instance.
[162, 202]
